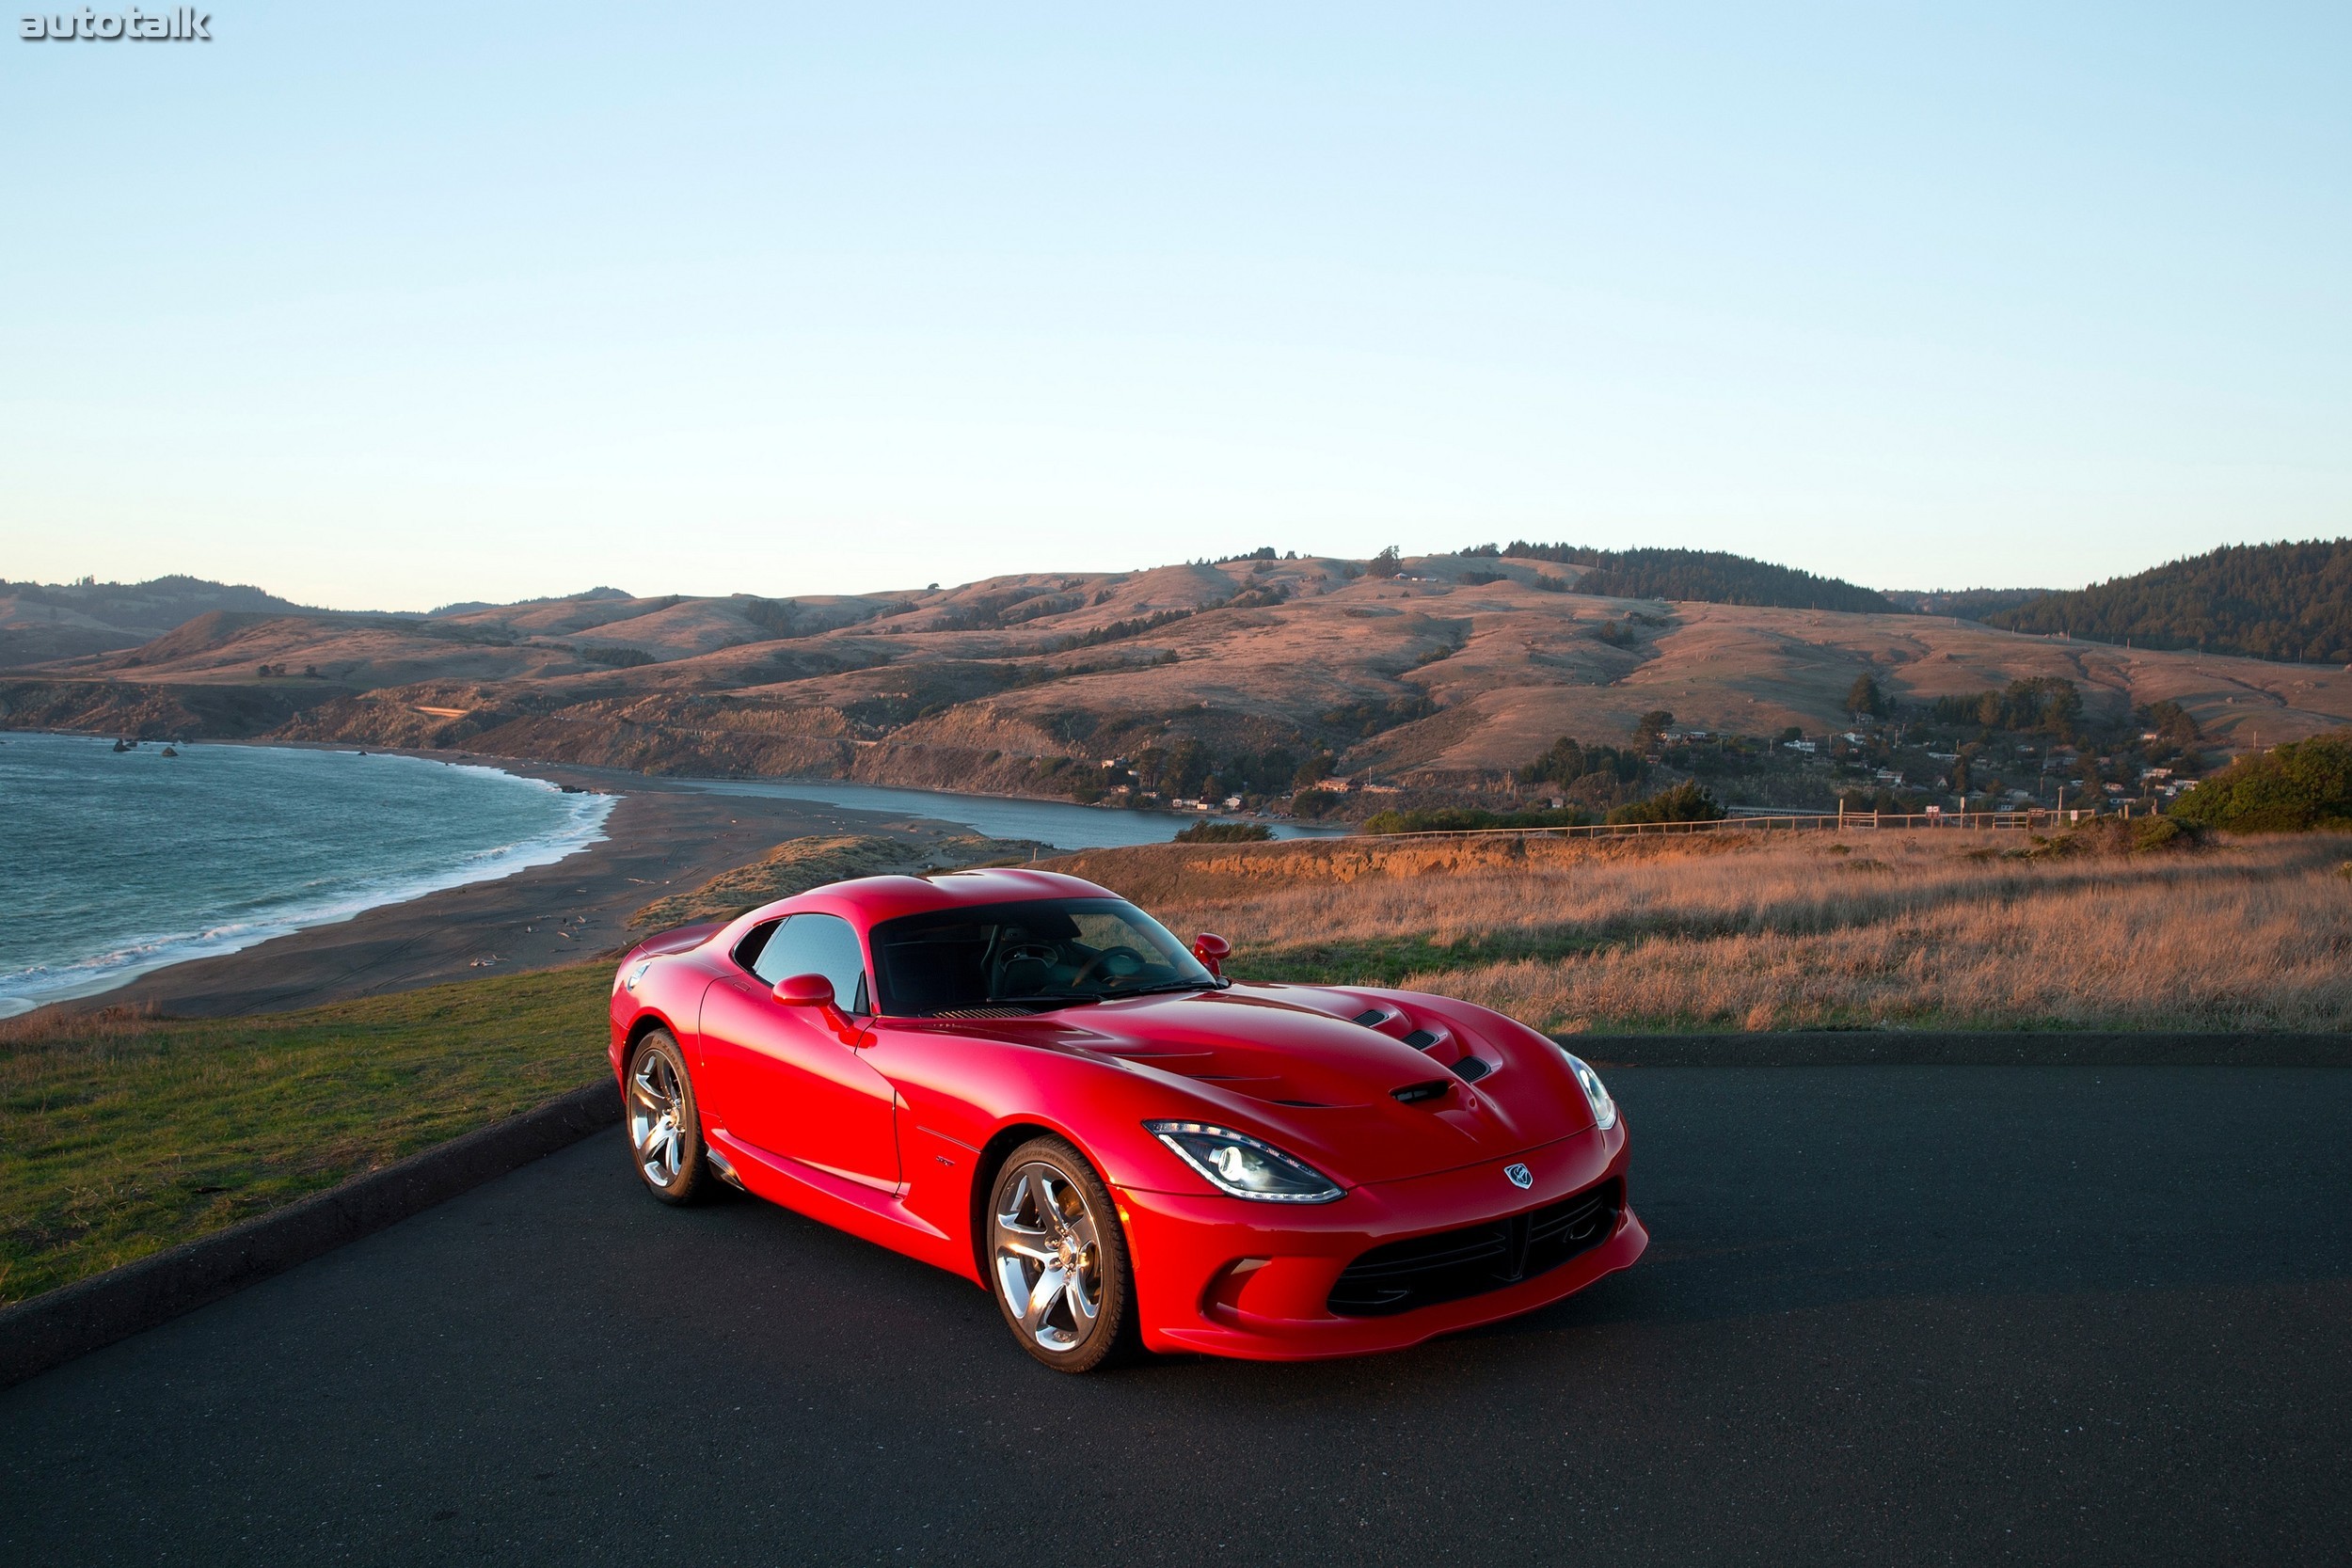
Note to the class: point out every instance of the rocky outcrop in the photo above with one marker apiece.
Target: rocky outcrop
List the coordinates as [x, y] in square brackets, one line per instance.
[153, 712]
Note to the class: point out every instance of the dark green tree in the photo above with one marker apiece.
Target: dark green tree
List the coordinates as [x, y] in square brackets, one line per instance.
[2284, 601]
[1684, 802]
[1708, 576]
[2291, 788]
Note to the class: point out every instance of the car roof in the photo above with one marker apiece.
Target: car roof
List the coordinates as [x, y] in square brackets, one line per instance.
[868, 901]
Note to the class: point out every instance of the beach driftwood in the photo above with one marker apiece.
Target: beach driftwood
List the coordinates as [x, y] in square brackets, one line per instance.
[76, 1319]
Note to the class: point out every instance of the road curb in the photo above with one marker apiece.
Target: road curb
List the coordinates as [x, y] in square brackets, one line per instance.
[1991, 1048]
[75, 1319]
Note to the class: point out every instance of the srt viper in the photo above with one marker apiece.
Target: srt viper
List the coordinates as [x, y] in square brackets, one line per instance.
[1024, 1079]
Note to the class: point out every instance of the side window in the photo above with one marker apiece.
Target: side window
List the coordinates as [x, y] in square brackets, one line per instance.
[822, 944]
[754, 942]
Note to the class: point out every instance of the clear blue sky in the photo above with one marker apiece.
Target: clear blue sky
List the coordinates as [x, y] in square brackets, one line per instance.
[396, 305]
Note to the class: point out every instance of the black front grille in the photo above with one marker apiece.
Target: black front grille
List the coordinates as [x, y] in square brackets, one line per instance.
[1476, 1258]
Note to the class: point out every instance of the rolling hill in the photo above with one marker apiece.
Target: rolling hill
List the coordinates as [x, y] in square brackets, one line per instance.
[1451, 674]
[40, 621]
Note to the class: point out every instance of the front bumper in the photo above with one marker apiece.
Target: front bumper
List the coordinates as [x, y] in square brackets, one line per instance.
[1232, 1277]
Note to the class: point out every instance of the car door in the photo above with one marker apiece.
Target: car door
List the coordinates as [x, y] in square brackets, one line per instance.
[782, 1079]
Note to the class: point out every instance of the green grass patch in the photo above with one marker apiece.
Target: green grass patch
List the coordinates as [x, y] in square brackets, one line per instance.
[122, 1137]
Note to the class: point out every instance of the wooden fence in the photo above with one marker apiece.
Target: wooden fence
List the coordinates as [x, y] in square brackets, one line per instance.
[1842, 822]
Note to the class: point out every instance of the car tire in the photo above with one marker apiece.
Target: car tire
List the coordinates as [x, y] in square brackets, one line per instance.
[664, 1123]
[1058, 1263]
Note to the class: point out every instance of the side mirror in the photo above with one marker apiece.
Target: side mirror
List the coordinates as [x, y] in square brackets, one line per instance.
[1212, 950]
[815, 991]
[804, 990]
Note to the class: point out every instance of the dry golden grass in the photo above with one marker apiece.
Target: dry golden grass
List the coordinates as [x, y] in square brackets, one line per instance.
[1736, 931]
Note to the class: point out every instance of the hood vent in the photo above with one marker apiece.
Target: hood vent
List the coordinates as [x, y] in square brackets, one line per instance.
[1412, 1094]
[1370, 1018]
[1472, 1068]
[1421, 1039]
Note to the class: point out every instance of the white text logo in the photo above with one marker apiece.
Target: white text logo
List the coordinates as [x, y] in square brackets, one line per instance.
[182, 23]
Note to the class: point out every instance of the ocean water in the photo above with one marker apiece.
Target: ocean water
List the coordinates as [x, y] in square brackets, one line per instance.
[116, 863]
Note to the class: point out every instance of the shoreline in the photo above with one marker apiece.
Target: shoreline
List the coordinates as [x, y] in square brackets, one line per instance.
[658, 837]
[145, 956]
[528, 768]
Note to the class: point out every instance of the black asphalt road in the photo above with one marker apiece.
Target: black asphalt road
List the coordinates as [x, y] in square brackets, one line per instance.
[1891, 1315]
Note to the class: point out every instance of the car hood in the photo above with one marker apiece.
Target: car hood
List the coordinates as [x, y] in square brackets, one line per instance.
[1289, 1062]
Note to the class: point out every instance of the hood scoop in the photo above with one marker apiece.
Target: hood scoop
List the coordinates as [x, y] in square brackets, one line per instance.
[1413, 1094]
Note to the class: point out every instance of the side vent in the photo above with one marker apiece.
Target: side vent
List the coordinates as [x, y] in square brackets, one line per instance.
[1471, 1068]
[1412, 1094]
[1370, 1018]
[1421, 1039]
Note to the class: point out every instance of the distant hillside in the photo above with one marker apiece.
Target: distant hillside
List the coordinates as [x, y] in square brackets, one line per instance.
[468, 605]
[1256, 677]
[1701, 576]
[49, 621]
[2284, 601]
[1969, 604]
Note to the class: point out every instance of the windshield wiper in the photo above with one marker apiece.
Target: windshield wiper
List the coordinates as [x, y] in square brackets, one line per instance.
[1158, 990]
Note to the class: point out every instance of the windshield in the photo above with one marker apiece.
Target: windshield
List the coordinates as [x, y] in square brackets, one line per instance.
[1026, 956]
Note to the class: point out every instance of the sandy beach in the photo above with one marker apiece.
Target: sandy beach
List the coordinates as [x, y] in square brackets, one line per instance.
[663, 837]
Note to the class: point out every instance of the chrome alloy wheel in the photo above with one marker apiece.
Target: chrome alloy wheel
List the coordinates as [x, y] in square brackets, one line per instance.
[653, 1119]
[1048, 1257]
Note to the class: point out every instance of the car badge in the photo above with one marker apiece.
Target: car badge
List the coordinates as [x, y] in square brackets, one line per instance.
[1520, 1177]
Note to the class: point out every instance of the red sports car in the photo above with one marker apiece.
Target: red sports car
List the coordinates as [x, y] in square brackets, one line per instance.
[1026, 1080]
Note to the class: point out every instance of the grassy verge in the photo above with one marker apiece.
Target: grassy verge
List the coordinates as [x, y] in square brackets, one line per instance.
[2093, 930]
[119, 1138]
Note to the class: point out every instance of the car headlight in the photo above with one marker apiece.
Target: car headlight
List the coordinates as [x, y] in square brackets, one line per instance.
[1240, 1165]
[1604, 1108]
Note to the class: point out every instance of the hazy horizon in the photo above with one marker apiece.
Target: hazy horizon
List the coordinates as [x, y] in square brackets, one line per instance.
[389, 310]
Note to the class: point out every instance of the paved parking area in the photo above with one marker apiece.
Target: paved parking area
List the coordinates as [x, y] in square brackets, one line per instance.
[1891, 1315]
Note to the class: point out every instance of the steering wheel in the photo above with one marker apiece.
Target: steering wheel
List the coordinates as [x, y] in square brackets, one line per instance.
[1109, 959]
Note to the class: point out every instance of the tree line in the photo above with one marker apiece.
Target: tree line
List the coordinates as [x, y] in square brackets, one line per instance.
[1708, 576]
[2284, 601]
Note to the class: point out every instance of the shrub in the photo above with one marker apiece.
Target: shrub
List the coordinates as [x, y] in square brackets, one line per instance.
[1224, 833]
[1470, 820]
[2297, 788]
[2162, 832]
[613, 655]
[1684, 802]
